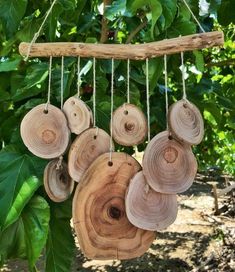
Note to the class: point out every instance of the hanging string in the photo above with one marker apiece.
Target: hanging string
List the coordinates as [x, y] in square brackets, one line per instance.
[62, 83]
[36, 35]
[49, 85]
[166, 89]
[128, 81]
[183, 76]
[111, 117]
[78, 76]
[94, 90]
[195, 18]
[147, 98]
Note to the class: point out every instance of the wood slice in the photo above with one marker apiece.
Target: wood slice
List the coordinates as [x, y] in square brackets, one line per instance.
[147, 209]
[78, 114]
[57, 182]
[129, 125]
[85, 149]
[169, 166]
[45, 133]
[186, 122]
[100, 221]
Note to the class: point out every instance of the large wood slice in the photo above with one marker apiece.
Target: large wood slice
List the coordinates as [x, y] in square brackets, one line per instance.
[129, 125]
[45, 133]
[57, 182]
[78, 114]
[169, 165]
[147, 209]
[99, 216]
[85, 149]
[186, 122]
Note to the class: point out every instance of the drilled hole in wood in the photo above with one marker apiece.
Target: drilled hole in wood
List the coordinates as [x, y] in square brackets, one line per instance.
[185, 105]
[75, 114]
[126, 112]
[110, 163]
[170, 137]
[72, 102]
[114, 212]
[95, 137]
[45, 111]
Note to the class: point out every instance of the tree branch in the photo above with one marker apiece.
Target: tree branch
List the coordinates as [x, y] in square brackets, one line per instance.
[136, 31]
[104, 23]
[221, 63]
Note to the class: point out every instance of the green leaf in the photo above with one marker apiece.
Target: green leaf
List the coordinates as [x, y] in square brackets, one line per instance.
[226, 12]
[169, 8]
[24, 195]
[60, 244]
[199, 60]
[11, 13]
[118, 8]
[35, 218]
[9, 65]
[15, 169]
[27, 236]
[67, 4]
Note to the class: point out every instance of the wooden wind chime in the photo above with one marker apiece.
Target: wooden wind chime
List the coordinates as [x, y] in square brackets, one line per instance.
[118, 205]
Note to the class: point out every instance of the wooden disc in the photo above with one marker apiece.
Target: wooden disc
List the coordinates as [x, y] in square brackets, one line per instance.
[169, 166]
[186, 122]
[46, 134]
[129, 125]
[78, 114]
[100, 221]
[85, 149]
[57, 182]
[147, 209]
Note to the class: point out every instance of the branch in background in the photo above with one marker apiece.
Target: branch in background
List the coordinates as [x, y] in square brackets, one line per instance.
[137, 30]
[104, 23]
[221, 63]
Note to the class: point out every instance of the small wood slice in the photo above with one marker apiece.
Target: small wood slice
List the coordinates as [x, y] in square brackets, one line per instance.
[85, 149]
[169, 166]
[129, 125]
[103, 229]
[78, 114]
[46, 134]
[57, 182]
[186, 122]
[147, 209]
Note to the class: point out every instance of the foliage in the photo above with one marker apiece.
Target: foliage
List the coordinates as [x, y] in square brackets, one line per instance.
[25, 211]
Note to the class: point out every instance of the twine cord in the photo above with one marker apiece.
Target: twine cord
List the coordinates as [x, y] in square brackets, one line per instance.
[78, 76]
[128, 81]
[94, 91]
[183, 76]
[111, 114]
[147, 98]
[62, 84]
[36, 35]
[194, 17]
[49, 84]
[166, 89]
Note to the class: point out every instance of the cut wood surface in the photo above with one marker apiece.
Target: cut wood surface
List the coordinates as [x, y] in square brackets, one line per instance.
[78, 114]
[57, 182]
[125, 51]
[99, 216]
[169, 166]
[147, 209]
[45, 133]
[85, 149]
[129, 125]
[186, 122]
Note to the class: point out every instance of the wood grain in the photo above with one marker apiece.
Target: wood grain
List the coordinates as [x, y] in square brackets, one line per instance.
[147, 209]
[125, 51]
[78, 114]
[186, 122]
[169, 166]
[57, 182]
[46, 134]
[99, 217]
[129, 125]
[88, 146]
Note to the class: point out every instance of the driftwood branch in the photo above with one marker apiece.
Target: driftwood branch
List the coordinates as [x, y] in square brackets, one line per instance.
[125, 51]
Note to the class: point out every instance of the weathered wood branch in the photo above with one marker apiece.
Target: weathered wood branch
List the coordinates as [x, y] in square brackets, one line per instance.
[125, 51]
